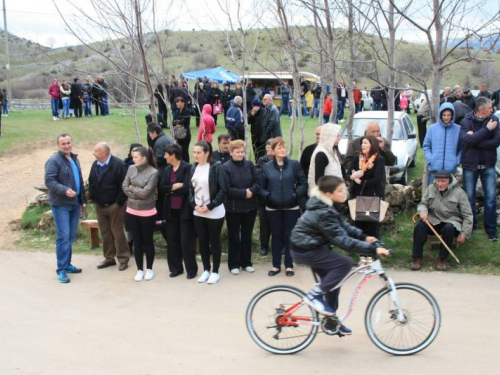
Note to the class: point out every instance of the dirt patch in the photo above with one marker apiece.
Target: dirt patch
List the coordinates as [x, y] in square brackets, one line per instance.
[20, 171]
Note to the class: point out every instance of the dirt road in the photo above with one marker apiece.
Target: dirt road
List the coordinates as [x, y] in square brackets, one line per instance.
[105, 323]
[20, 171]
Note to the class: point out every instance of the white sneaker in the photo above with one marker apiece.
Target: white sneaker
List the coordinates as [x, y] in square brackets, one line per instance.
[54, 118]
[139, 276]
[214, 278]
[149, 275]
[235, 271]
[250, 269]
[204, 277]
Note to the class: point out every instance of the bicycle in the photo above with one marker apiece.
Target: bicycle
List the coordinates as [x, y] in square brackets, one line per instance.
[401, 319]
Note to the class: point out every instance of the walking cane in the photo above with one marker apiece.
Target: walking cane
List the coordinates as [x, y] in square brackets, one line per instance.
[415, 220]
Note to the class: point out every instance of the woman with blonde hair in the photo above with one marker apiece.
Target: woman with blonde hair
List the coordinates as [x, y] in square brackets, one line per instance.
[326, 159]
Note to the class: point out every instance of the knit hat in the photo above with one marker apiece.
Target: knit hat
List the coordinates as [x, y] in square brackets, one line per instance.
[256, 103]
[238, 100]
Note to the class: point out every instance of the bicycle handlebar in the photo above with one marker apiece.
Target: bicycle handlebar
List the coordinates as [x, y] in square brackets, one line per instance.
[379, 243]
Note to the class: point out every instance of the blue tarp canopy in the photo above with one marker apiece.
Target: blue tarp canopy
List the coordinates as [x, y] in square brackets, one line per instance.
[215, 74]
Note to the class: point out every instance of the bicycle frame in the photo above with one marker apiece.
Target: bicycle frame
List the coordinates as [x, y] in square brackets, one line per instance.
[368, 271]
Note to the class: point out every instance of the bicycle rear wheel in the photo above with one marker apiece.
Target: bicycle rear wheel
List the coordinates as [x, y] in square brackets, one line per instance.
[279, 322]
[421, 327]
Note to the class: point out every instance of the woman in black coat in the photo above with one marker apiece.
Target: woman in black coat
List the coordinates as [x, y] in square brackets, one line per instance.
[183, 117]
[241, 207]
[177, 213]
[367, 173]
[283, 188]
[215, 97]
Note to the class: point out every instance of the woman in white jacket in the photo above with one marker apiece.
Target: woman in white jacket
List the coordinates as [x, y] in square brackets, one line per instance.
[326, 160]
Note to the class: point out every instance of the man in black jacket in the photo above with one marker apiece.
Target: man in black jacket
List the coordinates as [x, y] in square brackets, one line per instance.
[63, 178]
[481, 137]
[105, 187]
[160, 140]
[222, 154]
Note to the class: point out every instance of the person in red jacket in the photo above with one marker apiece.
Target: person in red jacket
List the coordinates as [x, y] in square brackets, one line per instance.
[207, 125]
[55, 97]
[327, 108]
[357, 99]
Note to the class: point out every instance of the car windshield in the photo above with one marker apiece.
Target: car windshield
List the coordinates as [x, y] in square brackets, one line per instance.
[359, 127]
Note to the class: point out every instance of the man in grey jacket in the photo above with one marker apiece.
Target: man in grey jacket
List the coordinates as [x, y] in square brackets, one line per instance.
[160, 140]
[445, 206]
[63, 178]
[271, 127]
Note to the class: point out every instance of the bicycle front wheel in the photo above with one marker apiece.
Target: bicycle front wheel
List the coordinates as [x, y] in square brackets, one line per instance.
[416, 332]
[279, 322]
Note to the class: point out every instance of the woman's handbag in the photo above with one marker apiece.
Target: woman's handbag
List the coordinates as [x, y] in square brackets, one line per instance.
[180, 132]
[217, 108]
[368, 208]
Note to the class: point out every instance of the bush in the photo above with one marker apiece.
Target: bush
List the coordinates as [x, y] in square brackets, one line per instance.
[207, 59]
[53, 71]
[70, 49]
[31, 217]
[183, 46]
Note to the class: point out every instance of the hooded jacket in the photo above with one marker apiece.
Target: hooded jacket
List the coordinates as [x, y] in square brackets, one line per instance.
[322, 227]
[450, 207]
[207, 125]
[324, 160]
[55, 91]
[442, 147]
[481, 146]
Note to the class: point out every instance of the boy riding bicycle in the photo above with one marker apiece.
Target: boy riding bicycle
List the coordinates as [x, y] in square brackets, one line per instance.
[317, 230]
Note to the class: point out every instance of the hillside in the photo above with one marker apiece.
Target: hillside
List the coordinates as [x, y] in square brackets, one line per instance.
[34, 66]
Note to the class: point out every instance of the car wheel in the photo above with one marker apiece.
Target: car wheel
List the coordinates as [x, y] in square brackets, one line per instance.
[413, 163]
[404, 178]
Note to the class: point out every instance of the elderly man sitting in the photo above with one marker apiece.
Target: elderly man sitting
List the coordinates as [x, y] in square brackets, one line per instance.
[445, 206]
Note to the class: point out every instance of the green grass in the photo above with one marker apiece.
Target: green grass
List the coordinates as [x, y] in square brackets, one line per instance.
[35, 128]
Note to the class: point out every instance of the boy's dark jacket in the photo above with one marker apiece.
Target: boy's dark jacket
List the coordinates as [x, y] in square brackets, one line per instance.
[322, 227]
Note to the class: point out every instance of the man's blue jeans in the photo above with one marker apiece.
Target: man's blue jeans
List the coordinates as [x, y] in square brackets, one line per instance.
[55, 107]
[66, 219]
[285, 105]
[315, 106]
[304, 106]
[488, 180]
[88, 107]
[105, 105]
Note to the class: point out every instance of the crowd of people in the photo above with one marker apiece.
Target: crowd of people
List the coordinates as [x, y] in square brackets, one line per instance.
[75, 98]
[157, 187]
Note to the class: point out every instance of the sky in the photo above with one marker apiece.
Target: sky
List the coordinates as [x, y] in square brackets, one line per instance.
[39, 20]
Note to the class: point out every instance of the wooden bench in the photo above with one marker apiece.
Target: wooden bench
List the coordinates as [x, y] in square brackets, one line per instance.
[93, 231]
[434, 241]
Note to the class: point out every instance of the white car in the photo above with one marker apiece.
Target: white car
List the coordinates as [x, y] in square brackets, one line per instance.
[404, 140]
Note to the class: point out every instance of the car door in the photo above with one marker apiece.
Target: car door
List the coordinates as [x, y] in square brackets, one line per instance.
[411, 141]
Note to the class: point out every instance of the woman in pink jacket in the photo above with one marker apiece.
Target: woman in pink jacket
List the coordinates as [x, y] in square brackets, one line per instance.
[55, 97]
[207, 125]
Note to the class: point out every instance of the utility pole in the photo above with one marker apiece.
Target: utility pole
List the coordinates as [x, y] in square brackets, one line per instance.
[7, 58]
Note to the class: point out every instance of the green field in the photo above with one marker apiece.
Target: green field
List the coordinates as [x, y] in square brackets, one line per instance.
[36, 129]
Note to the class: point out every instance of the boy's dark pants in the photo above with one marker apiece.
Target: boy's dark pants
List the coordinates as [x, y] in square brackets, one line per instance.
[331, 268]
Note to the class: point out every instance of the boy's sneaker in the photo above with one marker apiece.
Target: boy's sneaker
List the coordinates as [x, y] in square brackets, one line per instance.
[62, 277]
[72, 269]
[316, 300]
[345, 331]
[204, 277]
[214, 278]
[249, 269]
[235, 271]
[493, 237]
[139, 275]
[149, 275]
